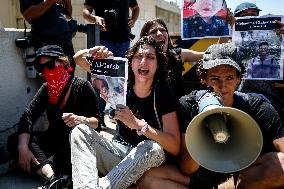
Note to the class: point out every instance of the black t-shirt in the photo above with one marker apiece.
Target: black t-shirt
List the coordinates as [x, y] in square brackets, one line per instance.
[120, 30]
[143, 108]
[51, 25]
[261, 111]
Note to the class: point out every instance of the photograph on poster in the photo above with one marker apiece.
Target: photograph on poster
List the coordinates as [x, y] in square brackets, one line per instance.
[109, 79]
[204, 19]
[260, 47]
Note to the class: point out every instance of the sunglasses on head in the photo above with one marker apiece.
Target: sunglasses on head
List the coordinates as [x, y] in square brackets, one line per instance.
[49, 64]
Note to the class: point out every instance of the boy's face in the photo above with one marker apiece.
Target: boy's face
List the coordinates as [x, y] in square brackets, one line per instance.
[224, 80]
[208, 8]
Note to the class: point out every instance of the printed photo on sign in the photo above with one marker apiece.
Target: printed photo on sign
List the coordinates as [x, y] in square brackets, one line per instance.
[204, 19]
[109, 79]
[261, 48]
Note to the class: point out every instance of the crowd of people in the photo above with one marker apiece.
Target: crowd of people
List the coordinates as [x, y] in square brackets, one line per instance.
[150, 148]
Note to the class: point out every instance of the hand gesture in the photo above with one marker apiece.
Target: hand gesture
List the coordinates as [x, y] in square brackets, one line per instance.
[101, 22]
[71, 120]
[130, 23]
[100, 52]
[125, 115]
[25, 159]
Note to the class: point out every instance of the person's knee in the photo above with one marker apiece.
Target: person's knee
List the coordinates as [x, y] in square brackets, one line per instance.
[153, 152]
[81, 132]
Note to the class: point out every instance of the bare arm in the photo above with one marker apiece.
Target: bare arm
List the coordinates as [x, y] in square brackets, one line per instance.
[25, 155]
[190, 55]
[187, 164]
[134, 16]
[98, 51]
[36, 11]
[87, 14]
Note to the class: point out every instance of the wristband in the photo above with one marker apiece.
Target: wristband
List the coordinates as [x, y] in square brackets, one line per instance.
[143, 130]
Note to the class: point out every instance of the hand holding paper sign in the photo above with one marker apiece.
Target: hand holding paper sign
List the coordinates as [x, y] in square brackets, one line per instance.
[98, 52]
[125, 115]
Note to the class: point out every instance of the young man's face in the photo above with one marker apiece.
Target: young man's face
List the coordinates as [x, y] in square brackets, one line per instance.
[263, 50]
[224, 80]
[208, 8]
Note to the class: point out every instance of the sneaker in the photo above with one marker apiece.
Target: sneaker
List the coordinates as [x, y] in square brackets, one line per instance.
[53, 182]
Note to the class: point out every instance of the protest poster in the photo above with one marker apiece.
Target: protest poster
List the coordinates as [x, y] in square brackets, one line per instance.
[109, 79]
[260, 47]
[204, 19]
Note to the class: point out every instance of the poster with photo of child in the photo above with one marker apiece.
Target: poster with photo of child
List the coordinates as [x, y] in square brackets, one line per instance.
[109, 79]
[204, 19]
[260, 47]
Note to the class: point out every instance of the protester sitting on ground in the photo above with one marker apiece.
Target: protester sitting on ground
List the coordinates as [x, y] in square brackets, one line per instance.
[221, 70]
[68, 102]
[147, 126]
[176, 56]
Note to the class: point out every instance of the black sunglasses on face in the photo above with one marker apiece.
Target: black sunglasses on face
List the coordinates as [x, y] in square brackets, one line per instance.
[49, 64]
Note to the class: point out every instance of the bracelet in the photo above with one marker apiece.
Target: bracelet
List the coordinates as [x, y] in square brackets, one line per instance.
[143, 130]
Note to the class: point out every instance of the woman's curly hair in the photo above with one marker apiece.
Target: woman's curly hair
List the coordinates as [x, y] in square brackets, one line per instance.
[161, 73]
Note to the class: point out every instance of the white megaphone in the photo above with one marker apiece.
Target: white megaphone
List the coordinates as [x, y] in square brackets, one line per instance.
[222, 139]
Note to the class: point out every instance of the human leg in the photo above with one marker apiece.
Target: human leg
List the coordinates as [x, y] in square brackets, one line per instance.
[39, 147]
[91, 153]
[146, 155]
[165, 177]
[265, 173]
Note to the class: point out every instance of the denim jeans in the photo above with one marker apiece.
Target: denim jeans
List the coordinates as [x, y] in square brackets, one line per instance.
[118, 49]
[91, 153]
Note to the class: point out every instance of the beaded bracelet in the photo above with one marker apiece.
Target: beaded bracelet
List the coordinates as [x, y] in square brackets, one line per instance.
[143, 130]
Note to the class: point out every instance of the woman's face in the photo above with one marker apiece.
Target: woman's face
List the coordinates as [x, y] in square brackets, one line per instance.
[160, 34]
[224, 80]
[144, 63]
[208, 8]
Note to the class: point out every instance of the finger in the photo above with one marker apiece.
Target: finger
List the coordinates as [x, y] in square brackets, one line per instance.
[35, 161]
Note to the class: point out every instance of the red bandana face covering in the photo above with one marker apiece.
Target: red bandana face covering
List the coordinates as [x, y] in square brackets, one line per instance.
[56, 79]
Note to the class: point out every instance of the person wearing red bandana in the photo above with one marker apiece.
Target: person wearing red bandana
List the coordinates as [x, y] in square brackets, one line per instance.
[68, 102]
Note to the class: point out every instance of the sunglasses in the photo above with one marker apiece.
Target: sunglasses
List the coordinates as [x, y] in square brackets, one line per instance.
[49, 64]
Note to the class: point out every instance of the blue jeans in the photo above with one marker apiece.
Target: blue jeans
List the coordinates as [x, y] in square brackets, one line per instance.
[118, 49]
